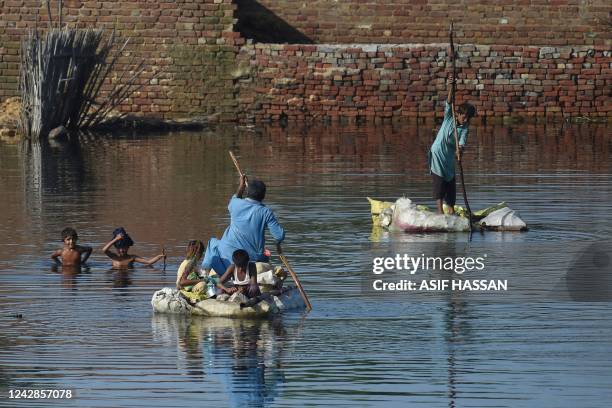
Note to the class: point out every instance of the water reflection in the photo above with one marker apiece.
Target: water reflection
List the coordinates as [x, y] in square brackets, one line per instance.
[51, 168]
[119, 278]
[53, 174]
[92, 330]
[69, 274]
[502, 148]
[457, 331]
[244, 356]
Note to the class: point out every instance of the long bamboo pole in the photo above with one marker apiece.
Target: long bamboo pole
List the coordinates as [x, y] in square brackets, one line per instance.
[459, 163]
[297, 281]
[280, 255]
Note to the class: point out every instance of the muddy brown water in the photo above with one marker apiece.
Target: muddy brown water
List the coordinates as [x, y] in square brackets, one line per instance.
[93, 331]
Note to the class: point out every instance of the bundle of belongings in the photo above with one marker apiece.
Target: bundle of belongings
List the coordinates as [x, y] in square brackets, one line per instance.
[206, 300]
[269, 279]
[405, 215]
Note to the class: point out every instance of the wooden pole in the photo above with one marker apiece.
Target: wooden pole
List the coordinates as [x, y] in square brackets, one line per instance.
[280, 255]
[164, 253]
[236, 163]
[297, 281]
[460, 165]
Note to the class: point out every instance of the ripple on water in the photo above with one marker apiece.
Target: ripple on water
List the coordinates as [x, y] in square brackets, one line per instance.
[93, 331]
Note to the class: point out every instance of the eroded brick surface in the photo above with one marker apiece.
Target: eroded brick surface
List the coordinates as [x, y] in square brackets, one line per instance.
[368, 82]
[516, 58]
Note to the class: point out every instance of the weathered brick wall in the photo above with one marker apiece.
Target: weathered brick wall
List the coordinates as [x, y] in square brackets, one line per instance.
[506, 22]
[300, 82]
[192, 42]
[208, 69]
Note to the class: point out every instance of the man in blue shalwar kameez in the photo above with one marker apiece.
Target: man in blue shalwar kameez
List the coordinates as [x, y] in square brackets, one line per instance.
[249, 218]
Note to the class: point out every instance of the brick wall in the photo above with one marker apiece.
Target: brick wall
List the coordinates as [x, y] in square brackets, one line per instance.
[377, 81]
[507, 22]
[191, 42]
[530, 58]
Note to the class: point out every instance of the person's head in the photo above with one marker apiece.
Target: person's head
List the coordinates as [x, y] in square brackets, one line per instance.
[124, 243]
[69, 236]
[465, 112]
[256, 190]
[195, 249]
[240, 257]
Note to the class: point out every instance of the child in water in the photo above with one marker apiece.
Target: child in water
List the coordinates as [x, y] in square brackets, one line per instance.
[71, 254]
[244, 274]
[121, 259]
[187, 277]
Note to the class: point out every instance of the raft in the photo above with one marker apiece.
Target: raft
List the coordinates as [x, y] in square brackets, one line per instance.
[405, 215]
[169, 300]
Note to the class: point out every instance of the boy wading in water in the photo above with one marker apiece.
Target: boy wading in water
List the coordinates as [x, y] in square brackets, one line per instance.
[121, 259]
[441, 156]
[71, 253]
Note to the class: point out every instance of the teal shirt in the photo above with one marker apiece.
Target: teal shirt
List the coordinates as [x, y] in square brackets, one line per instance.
[442, 153]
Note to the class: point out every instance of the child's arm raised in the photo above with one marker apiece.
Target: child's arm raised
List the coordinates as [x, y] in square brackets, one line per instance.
[56, 256]
[106, 248]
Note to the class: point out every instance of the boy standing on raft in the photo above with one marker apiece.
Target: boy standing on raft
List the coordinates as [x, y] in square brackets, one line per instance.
[441, 156]
[249, 218]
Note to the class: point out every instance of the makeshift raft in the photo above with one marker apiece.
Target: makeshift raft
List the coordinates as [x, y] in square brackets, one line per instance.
[405, 215]
[169, 300]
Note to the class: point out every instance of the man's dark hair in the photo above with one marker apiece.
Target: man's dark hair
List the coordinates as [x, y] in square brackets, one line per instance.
[240, 257]
[69, 232]
[256, 190]
[467, 108]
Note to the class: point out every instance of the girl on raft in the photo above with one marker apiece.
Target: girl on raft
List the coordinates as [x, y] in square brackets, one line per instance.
[187, 277]
[243, 272]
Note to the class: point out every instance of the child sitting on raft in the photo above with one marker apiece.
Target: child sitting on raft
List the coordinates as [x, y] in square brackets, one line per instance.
[187, 277]
[121, 259]
[71, 254]
[243, 274]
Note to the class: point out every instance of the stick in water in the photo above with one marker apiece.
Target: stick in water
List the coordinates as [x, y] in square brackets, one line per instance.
[297, 281]
[164, 253]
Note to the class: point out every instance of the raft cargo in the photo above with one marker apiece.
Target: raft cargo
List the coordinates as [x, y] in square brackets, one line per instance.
[404, 215]
[169, 300]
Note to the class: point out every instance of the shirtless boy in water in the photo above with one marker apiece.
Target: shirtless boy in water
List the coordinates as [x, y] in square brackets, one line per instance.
[70, 254]
[121, 259]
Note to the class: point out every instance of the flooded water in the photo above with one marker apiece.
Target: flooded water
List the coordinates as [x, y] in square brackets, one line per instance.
[93, 331]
